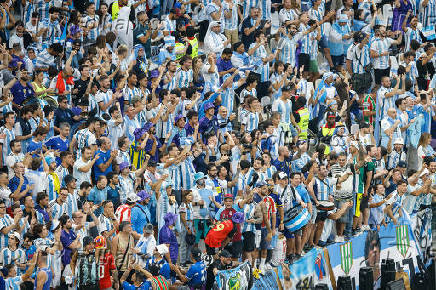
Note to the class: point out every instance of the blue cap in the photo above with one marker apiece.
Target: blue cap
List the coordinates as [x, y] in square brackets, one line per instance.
[208, 106]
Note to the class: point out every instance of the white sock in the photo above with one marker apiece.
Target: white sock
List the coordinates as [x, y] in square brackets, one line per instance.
[262, 262]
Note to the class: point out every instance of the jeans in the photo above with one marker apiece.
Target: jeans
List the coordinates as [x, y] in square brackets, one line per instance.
[185, 249]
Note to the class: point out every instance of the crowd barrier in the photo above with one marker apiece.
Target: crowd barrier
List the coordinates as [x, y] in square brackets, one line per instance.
[407, 244]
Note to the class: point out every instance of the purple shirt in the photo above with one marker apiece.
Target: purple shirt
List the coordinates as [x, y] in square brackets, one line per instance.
[66, 239]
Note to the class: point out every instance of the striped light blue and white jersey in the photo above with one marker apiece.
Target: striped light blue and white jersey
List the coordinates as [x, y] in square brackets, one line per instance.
[89, 21]
[359, 57]
[62, 172]
[265, 8]
[6, 17]
[104, 97]
[257, 59]
[187, 171]
[410, 35]
[285, 15]
[164, 127]
[72, 206]
[251, 121]
[187, 209]
[313, 46]
[84, 138]
[383, 103]
[13, 283]
[28, 10]
[302, 88]
[284, 108]
[126, 185]
[246, 92]
[247, 5]
[52, 194]
[268, 173]
[6, 108]
[7, 256]
[288, 48]
[172, 83]
[5, 221]
[130, 93]
[57, 210]
[211, 80]
[305, 39]
[318, 14]
[175, 176]
[381, 45]
[44, 59]
[322, 189]
[130, 125]
[228, 97]
[115, 131]
[92, 103]
[106, 225]
[42, 7]
[427, 15]
[53, 32]
[230, 23]
[9, 136]
[184, 78]
[248, 211]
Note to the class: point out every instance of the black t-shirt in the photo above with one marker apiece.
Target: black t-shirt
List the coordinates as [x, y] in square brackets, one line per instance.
[81, 86]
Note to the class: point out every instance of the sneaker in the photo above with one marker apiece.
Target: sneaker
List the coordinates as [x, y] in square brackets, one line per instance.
[339, 239]
[366, 228]
[268, 267]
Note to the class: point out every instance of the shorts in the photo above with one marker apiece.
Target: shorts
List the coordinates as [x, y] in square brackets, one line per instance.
[235, 248]
[323, 43]
[304, 59]
[321, 216]
[264, 244]
[313, 66]
[232, 35]
[314, 214]
[339, 203]
[338, 60]
[364, 202]
[201, 229]
[248, 242]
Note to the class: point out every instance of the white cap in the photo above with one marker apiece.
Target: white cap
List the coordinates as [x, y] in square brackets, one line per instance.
[399, 141]
[424, 172]
[162, 249]
[282, 175]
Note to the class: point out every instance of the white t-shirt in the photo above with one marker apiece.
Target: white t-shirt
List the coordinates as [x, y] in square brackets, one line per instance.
[79, 175]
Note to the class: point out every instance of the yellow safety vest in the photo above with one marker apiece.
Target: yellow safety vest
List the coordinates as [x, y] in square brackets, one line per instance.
[303, 124]
[115, 10]
[179, 50]
[194, 45]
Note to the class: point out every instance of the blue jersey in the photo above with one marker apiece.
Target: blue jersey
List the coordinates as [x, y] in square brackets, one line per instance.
[196, 274]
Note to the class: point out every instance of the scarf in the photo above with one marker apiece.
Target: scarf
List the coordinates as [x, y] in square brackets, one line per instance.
[61, 84]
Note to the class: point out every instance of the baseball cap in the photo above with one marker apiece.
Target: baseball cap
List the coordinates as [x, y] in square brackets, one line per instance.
[260, 184]
[225, 254]
[148, 229]
[228, 196]
[132, 198]
[282, 175]
[343, 18]
[402, 164]
[399, 141]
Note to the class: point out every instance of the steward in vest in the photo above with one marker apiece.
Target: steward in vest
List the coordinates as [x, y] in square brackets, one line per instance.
[192, 44]
[222, 233]
[302, 117]
[114, 8]
[329, 128]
